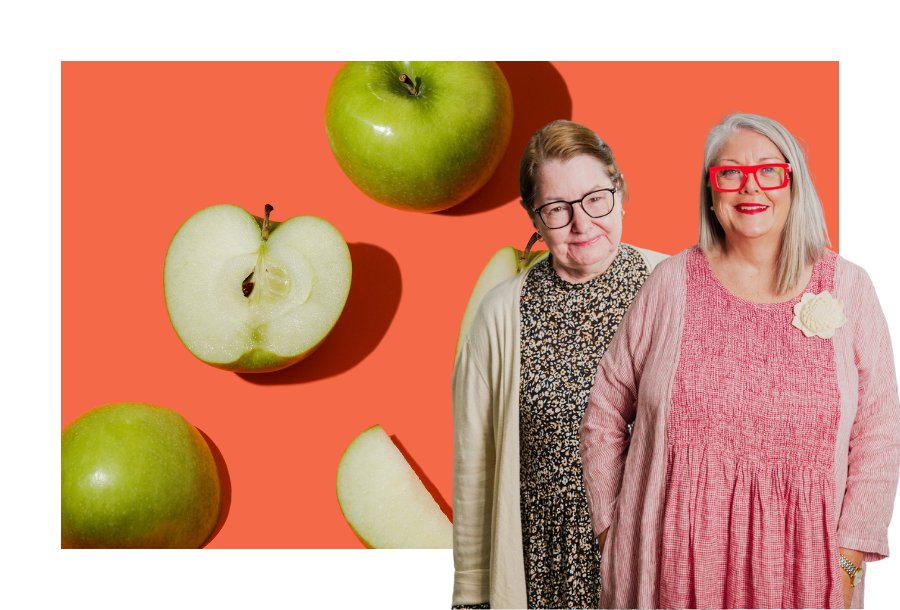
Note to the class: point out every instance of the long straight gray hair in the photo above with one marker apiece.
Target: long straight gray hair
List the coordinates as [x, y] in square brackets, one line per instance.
[805, 235]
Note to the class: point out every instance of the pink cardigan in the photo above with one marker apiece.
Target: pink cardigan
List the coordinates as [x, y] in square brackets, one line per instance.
[626, 477]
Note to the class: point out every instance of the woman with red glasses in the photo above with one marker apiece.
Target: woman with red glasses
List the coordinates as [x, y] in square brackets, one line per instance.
[757, 367]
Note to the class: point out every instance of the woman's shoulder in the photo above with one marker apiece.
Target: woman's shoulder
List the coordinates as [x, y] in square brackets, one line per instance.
[662, 295]
[650, 257]
[658, 259]
[860, 305]
[496, 320]
[503, 299]
[849, 273]
[852, 285]
[664, 268]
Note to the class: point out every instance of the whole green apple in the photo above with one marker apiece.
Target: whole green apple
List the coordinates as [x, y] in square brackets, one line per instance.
[418, 135]
[137, 476]
[248, 295]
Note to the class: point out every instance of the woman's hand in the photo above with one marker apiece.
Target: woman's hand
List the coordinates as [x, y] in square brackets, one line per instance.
[854, 556]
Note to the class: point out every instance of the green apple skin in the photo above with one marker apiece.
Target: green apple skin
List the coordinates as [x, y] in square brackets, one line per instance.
[137, 476]
[504, 264]
[424, 152]
[252, 358]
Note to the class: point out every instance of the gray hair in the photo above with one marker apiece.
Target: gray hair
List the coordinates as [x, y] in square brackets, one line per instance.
[805, 235]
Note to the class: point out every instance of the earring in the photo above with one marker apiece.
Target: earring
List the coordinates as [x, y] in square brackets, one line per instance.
[623, 212]
[712, 208]
[539, 236]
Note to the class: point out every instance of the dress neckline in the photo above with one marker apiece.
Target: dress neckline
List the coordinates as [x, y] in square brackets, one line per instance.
[814, 279]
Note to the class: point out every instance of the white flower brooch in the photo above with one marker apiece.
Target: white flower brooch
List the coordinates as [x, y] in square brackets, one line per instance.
[819, 314]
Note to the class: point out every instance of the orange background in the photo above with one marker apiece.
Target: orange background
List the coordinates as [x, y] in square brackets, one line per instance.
[145, 145]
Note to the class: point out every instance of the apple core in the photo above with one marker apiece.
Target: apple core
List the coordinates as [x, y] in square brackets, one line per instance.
[252, 296]
[272, 278]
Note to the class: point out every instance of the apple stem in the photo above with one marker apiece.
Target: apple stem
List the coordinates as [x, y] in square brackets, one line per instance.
[524, 258]
[413, 90]
[265, 228]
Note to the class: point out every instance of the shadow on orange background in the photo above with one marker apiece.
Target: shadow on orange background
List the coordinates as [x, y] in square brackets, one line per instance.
[540, 95]
[431, 487]
[224, 481]
[374, 297]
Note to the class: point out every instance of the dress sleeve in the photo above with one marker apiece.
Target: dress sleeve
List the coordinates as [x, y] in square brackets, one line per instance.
[874, 459]
[612, 407]
[474, 457]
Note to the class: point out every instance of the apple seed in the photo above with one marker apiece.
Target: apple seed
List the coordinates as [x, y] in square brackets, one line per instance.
[247, 285]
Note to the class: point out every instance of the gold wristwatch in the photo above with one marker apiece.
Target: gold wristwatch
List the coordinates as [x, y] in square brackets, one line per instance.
[856, 573]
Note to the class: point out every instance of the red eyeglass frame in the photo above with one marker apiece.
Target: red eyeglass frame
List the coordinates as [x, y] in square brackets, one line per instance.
[747, 170]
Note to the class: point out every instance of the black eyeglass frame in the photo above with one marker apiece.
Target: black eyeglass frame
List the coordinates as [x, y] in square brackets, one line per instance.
[612, 190]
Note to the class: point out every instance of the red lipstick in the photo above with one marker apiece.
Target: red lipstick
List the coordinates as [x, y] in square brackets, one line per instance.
[751, 208]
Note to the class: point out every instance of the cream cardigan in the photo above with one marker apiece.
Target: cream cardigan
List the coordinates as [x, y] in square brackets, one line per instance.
[487, 525]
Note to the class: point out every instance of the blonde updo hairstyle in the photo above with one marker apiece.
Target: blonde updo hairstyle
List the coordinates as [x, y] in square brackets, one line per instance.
[805, 235]
[563, 141]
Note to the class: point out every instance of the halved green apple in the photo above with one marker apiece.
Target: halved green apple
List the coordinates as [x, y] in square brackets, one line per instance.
[248, 295]
[383, 499]
[505, 263]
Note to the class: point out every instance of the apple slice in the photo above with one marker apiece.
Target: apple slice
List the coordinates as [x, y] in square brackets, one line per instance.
[505, 263]
[383, 499]
[248, 295]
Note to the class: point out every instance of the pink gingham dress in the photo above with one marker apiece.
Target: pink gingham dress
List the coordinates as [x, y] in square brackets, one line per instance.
[735, 490]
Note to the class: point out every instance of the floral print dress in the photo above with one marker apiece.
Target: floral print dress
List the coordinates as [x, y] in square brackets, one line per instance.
[565, 330]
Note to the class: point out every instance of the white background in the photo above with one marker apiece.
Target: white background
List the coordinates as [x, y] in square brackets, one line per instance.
[35, 38]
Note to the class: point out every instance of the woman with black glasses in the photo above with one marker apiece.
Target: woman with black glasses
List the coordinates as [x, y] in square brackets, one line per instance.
[757, 370]
[522, 534]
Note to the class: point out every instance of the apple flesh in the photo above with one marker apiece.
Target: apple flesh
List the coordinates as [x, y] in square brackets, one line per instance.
[249, 296]
[384, 500]
[425, 144]
[504, 264]
[137, 476]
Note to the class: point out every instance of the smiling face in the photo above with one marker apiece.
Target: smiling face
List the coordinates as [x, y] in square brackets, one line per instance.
[751, 213]
[584, 248]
